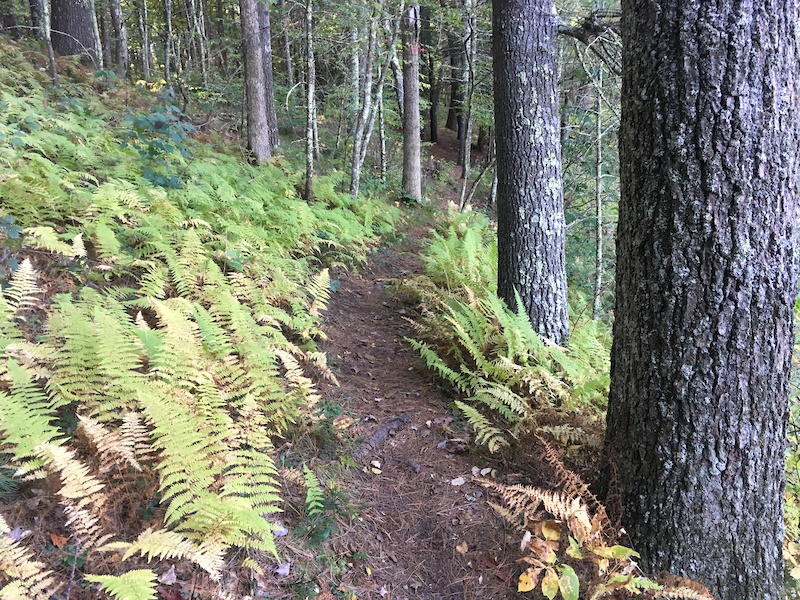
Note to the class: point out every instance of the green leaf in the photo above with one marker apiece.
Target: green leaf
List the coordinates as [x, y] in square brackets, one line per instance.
[550, 584]
[568, 583]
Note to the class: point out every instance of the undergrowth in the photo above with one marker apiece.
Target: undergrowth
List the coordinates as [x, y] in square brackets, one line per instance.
[158, 319]
[510, 380]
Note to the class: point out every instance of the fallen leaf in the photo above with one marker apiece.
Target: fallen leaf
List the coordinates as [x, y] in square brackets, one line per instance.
[551, 530]
[383, 591]
[485, 471]
[528, 580]
[59, 541]
[376, 464]
[376, 471]
[278, 530]
[462, 548]
[550, 584]
[458, 481]
[169, 577]
[475, 471]
[283, 569]
[368, 571]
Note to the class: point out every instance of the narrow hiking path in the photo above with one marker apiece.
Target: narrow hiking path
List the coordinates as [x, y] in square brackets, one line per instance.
[426, 529]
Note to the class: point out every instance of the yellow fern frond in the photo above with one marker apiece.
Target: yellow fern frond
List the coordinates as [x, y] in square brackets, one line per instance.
[25, 577]
[167, 545]
[111, 445]
[24, 291]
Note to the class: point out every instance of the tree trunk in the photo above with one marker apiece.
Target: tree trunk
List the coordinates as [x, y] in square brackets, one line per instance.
[705, 286]
[310, 101]
[397, 71]
[73, 29]
[258, 135]
[412, 144]
[144, 34]
[269, 79]
[169, 43]
[104, 23]
[530, 206]
[8, 18]
[287, 47]
[465, 151]
[429, 72]
[598, 200]
[121, 33]
[456, 93]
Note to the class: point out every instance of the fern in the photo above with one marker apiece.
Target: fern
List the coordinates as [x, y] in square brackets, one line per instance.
[133, 585]
[485, 433]
[25, 577]
[315, 497]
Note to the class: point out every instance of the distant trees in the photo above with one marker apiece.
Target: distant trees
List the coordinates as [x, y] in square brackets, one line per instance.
[530, 212]
[705, 286]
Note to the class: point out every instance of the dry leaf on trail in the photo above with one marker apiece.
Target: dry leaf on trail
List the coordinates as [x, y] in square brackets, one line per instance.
[462, 548]
[169, 577]
[58, 540]
[458, 481]
[551, 530]
[528, 580]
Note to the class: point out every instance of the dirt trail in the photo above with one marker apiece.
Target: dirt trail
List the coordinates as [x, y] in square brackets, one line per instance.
[424, 536]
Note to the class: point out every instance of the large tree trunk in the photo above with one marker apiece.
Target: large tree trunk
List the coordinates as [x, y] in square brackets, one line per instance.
[412, 143]
[73, 29]
[705, 287]
[269, 79]
[258, 135]
[530, 206]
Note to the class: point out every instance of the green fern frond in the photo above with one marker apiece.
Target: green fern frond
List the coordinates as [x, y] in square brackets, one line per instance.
[133, 585]
[315, 496]
[167, 545]
[485, 432]
[46, 238]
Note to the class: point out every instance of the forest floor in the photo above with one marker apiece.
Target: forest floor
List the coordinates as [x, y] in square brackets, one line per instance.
[418, 526]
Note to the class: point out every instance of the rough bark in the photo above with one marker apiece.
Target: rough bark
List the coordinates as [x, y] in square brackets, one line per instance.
[705, 286]
[73, 30]
[598, 200]
[456, 93]
[412, 143]
[530, 207]
[258, 136]
[121, 33]
[269, 79]
[287, 48]
[144, 34]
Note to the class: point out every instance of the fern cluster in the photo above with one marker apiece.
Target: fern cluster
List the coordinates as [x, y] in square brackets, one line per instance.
[505, 371]
[175, 326]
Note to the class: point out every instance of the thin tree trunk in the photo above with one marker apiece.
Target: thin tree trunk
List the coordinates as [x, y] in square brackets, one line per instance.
[221, 35]
[258, 135]
[287, 47]
[269, 80]
[598, 201]
[397, 71]
[310, 101]
[382, 138]
[121, 33]
[169, 43]
[105, 35]
[469, 78]
[364, 104]
[144, 34]
[705, 288]
[412, 146]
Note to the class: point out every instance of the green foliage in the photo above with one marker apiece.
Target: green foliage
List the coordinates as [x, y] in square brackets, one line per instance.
[506, 373]
[133, 585]
[172, 321]
[315, 496]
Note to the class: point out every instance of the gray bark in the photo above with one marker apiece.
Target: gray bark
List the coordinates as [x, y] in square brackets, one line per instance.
[530, 207]
[287, 48]
[412, 143]
[72, 30]
[598, 200]
[258, 136]
[121, 33]
[311, 112]
[705, 286]
[269, 79]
